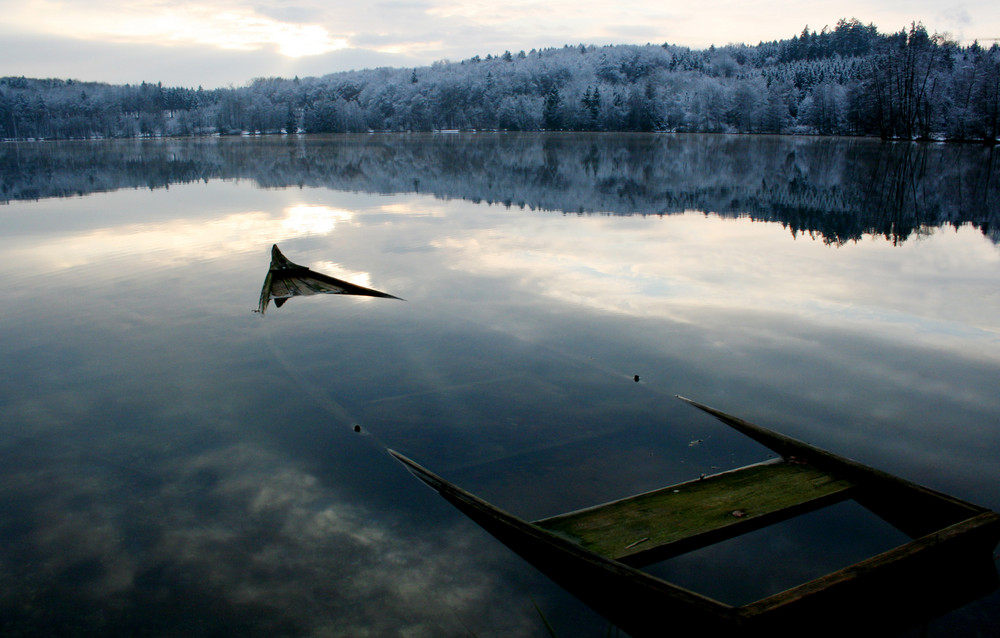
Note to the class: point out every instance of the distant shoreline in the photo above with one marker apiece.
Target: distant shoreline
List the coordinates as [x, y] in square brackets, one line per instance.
[849, 81]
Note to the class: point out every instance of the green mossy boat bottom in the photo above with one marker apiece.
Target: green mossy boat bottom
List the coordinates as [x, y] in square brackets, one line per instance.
[655, 525]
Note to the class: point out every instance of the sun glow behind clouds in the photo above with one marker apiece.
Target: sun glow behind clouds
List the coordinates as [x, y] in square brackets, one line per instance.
[234, 28]
[252, 32]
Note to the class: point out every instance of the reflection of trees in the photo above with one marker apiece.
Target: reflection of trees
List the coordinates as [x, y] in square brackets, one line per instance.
[892, 190]
[912, 187]
[840, 190]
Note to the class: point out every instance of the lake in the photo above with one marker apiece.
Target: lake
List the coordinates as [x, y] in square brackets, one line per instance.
[176, 464]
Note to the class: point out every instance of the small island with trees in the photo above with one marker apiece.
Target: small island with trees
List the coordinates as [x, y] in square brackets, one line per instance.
[848, 80]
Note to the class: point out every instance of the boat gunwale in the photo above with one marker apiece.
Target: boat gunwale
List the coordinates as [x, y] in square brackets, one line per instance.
[583, 510]
[910, 550]
[950, 523]
[450, 491]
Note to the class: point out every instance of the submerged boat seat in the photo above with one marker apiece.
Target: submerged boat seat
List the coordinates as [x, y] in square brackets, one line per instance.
[657, 525]
[595, 553]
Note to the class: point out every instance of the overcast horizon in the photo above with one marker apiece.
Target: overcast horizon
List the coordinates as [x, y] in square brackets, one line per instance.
[218, 43]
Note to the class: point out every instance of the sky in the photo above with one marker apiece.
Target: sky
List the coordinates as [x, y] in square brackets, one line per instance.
[217, 43]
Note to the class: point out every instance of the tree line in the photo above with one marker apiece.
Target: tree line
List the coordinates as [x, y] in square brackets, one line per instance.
[848, 80]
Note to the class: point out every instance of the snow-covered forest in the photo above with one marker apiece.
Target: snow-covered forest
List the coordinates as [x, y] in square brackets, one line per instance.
[848, 80]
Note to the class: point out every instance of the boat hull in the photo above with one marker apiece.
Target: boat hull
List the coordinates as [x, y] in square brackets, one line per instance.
[948, 561]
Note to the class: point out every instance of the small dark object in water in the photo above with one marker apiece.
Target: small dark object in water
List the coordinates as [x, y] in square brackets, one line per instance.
[357, 428]
[636, 378]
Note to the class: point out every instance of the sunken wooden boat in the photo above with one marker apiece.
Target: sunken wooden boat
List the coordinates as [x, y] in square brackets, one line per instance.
[597, 553]
[286, 279]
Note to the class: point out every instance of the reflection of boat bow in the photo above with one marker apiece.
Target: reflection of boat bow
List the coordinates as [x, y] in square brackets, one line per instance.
[286, 279]
[596, 553]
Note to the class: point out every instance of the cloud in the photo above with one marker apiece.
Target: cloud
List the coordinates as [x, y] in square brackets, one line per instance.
[290, 14]
[191, 66]
[220, 25]
[190, 44]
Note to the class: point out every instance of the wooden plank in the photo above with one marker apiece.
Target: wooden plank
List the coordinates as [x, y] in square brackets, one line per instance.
[902, 587]
[634, 601]
[913, 509]
[676, 519]
[594, 553]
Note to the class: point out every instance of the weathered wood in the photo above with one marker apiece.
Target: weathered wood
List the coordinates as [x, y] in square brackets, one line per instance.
[286, 279]
[635, 601]
[913, 509]
[673, 520]
[904, 586]
[593, 553]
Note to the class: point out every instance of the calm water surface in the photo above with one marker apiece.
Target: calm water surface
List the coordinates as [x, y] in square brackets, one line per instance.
[174, 464]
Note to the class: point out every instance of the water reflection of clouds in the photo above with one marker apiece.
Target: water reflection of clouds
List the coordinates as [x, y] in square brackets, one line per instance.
[224, 504]
[175, 241]
[684, 267]
[244, 527]
[307, 219]
[333, 269]
[415, 207]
